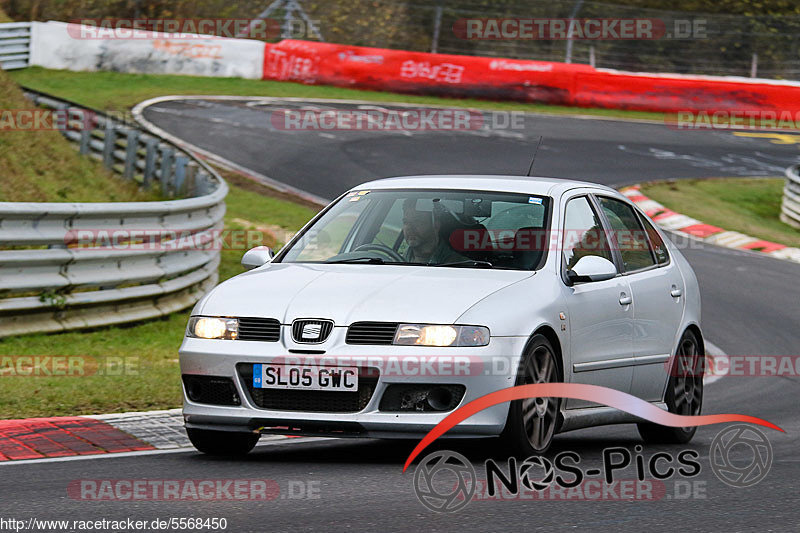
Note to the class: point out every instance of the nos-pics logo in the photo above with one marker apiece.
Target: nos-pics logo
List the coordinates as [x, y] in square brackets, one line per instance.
[446, 481]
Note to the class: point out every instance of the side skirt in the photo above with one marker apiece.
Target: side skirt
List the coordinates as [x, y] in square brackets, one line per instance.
[599, 416]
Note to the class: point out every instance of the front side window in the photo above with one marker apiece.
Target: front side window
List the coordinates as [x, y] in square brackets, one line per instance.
[428, 227]
[628, 235]
[583, 233]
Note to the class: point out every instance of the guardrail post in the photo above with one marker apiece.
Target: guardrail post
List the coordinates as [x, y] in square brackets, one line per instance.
[201, 182]
[131, 149]
[150, 161]
[86, 136]
[191, 179]
[109, 141]
[167, 155]
[180, 174]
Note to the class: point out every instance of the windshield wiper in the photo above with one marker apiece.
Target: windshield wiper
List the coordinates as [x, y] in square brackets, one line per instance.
[467, 263]
[371, 260]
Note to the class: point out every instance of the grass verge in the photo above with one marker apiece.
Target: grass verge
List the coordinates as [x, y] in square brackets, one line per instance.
[116, 91]
[149, 349]
[747, 205]
[42, 166]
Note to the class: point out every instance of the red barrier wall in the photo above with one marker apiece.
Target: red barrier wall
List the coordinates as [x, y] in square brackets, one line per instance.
[509, 79]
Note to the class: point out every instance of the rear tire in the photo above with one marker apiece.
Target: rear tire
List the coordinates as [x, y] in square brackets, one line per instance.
[223, 443]
[532, 422]
[684, 393]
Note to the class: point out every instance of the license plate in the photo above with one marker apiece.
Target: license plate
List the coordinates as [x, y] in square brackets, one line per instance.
[328, 378]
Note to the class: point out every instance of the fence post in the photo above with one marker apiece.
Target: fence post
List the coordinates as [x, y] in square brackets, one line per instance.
[131, 149]
[437, 28]
[591, 56]
[754, 66]
[575, 9]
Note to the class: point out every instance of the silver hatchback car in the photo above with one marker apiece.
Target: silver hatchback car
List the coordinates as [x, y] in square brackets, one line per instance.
[408, 297]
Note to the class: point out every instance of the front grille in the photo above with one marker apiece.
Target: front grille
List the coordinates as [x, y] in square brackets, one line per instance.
[311, 331]
[312, 400]
[371, 333]
[212, 390]
[259, 329]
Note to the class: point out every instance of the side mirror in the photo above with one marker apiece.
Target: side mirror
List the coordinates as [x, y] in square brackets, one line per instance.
[591, 268]
[256, 257]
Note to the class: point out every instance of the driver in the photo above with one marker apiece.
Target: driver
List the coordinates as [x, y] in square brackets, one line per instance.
[422, 232]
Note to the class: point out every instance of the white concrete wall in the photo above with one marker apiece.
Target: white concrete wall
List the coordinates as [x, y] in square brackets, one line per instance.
[58, 45]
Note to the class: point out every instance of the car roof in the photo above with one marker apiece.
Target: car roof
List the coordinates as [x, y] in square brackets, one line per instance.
[488, 182]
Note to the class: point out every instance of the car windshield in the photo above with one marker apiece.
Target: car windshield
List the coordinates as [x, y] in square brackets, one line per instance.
[452, 228]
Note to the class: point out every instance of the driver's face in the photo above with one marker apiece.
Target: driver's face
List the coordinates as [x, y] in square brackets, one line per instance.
[418, 227]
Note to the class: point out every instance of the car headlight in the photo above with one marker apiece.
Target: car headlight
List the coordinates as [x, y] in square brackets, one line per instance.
[436, 335]
[207, 327]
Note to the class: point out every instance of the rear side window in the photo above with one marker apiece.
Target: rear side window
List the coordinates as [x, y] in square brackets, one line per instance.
[627, 234]
[656, 242]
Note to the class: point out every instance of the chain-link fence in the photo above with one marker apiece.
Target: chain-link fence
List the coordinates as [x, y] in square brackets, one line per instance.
[692, 43]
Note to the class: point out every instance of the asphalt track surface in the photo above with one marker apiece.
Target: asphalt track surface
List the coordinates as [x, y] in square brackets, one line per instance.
[751, 305]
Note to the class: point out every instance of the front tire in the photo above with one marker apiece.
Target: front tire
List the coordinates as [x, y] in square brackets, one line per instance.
[684, 393]
[222, 443]
[532, 422]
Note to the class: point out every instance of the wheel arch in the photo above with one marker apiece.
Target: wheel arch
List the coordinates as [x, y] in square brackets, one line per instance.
[549, 333]
[694, 328]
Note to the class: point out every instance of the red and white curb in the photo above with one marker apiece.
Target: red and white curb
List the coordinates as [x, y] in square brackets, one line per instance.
[61, 438]
[693, 228]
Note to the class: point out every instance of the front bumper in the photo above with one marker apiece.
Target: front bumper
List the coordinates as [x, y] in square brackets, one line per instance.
[480, 370]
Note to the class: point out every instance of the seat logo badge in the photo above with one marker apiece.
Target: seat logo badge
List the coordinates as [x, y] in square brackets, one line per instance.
[311, 331]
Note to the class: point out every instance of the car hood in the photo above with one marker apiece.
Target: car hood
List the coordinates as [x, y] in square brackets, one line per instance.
[352, 293]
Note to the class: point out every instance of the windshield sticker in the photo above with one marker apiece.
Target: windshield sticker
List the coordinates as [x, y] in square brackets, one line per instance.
[534, 200]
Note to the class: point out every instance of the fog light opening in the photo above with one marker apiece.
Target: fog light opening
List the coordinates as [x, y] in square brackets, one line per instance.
[421, 397]
[194, 390]
[439, 399]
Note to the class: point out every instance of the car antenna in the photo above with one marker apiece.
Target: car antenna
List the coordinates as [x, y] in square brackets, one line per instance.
[530, 168]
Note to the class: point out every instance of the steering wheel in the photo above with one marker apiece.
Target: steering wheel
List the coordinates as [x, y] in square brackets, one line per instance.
[381, 248]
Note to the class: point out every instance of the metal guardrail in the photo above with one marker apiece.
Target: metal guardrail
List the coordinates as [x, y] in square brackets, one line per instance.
[49, 284]
[15, 45]
[790, 207]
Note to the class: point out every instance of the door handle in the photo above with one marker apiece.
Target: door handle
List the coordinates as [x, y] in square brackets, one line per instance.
[624, 299]
[675, 292]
